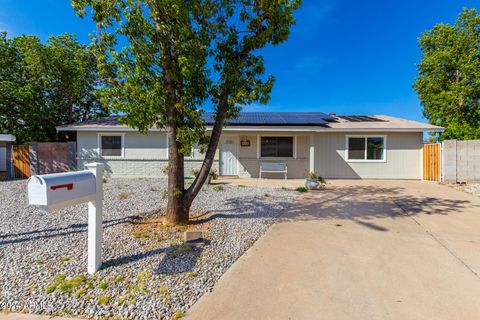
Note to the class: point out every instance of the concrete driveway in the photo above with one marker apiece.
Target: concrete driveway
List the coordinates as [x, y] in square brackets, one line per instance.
[360, 250]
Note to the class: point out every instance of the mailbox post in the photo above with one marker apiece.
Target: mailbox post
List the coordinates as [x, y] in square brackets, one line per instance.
[59, 190]
[95, 219]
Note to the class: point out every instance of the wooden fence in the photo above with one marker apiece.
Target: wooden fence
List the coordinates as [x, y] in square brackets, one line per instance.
[21, 161]
[431, 162]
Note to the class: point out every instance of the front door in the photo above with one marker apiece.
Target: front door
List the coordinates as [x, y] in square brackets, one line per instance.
[228, 156]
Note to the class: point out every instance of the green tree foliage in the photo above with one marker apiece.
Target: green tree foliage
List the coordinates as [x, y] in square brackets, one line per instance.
[448, 83]
[44, 86]
[163, 59]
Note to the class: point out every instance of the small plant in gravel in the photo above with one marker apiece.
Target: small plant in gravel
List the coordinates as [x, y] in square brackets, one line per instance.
[70, 285]
[191, 274]
[103, 285]
[137, 235]
[301, 189]
[40, 262]
[118, 279]
[103, 300]
[218, 188]
[105, 180]
[181, 248]
[57, 281]
[163, 289]
[178, 315]
[80, 292]
[128, 298]
[164, 194]
[65, 259]
[124, 195]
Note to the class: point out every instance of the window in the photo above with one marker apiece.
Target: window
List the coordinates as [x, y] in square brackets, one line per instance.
[367, 148]
[276, 147]
[111, 145]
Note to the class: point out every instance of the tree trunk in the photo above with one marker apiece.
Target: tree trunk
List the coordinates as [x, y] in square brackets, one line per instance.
[199, 181]
[177, 210]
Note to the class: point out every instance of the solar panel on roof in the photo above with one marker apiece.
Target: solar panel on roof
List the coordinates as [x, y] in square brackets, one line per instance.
[360, 118]
[275, 118]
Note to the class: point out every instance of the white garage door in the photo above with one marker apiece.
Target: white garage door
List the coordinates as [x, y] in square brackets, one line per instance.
[3, 159]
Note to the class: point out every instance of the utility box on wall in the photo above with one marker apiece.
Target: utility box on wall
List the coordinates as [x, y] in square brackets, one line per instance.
[57, 191]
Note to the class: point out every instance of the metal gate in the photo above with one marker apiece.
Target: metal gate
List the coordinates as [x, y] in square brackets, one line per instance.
[21, 161]
[431, 162]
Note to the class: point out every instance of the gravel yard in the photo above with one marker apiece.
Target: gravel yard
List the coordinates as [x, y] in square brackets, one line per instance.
[148, 272]
[473, 188]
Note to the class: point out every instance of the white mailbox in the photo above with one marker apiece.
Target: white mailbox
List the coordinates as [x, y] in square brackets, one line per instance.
[60, 190]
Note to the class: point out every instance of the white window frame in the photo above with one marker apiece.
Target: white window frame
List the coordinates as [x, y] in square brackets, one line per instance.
[347, 156]
[108, 134]
[259, 146]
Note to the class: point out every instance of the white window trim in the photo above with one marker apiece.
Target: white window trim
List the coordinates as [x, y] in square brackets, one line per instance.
[259, 146]
[347, 156]
[99, 141]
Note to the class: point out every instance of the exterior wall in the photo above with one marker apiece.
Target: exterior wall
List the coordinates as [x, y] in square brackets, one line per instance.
[7, 174]
[403, 157]
[147, 156]
[144, 155]
[249, 163]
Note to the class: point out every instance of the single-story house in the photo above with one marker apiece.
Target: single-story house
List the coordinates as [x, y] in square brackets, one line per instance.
[6, 161]
[348, 147]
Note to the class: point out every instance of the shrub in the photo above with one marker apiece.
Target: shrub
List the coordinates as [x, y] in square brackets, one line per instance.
[301, 189]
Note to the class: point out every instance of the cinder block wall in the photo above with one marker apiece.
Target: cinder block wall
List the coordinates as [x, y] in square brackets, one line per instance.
[461, 160]
[141, 168]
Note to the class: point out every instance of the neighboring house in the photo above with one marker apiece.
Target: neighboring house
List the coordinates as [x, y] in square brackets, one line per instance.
[6, 162]
[378, 147]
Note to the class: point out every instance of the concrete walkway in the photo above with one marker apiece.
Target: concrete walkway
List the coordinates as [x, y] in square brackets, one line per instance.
[360, 250]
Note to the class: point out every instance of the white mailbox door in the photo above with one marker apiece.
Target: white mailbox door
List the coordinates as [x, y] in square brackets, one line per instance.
[3, 159]
[59, 190]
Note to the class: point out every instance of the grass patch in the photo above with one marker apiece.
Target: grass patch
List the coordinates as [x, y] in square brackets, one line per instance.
[40, 262]
[65, 259]
[338, 225]
[191, 274]
[105, 180]
[301, 189]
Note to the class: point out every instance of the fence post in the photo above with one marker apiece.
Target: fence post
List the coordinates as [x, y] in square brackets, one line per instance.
[72, 155]
[33, 157]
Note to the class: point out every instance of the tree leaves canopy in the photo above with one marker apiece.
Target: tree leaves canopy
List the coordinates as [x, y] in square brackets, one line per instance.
[44, 86]
[448, 83]
[157, 53]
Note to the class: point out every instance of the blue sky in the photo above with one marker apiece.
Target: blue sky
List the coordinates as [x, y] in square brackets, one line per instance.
[347, 56]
